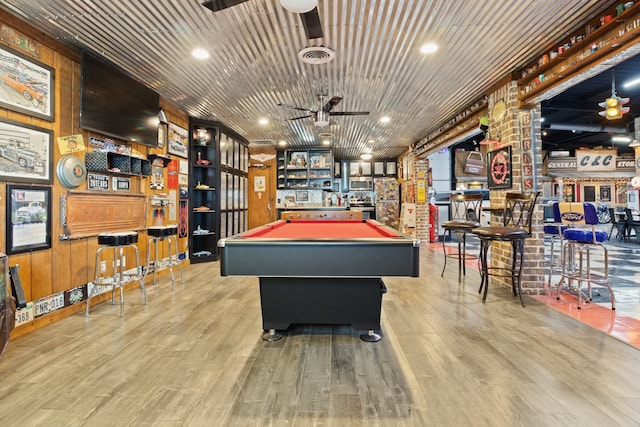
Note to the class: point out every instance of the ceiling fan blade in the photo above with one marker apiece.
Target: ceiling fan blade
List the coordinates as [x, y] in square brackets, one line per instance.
[299, 118]
[216, 5]
[349, 113]
[312, 25]
[331, 103]
[293, 107]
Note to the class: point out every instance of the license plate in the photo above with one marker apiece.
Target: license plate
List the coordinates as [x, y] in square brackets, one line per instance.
[24, 315]
[48, 304]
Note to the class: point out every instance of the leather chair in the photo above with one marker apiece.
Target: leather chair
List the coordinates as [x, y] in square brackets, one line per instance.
[517, 217]
[465, 216]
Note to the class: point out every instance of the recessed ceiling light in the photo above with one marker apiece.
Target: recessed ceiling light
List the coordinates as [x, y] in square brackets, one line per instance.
[429, 48]
[631, 83]
[385, 119]
[326, 142]
[200, 53]
[282, 143]
[366, 156]
[263, 121]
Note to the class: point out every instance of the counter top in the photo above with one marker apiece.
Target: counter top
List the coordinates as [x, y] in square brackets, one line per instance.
[313, 208]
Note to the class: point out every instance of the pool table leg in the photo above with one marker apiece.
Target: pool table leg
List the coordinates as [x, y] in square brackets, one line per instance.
[370, 336]
[271, 336]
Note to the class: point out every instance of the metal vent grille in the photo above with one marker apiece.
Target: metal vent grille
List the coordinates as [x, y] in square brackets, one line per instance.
[316, 55]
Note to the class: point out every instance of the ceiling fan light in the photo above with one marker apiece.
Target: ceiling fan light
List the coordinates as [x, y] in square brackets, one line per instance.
[299, 6]
[322, 119]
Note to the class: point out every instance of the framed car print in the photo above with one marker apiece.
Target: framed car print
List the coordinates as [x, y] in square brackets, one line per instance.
[29, 218]
[25, 153]
[26, 85]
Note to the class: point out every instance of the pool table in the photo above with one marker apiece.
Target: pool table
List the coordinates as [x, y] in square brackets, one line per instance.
[320, 271]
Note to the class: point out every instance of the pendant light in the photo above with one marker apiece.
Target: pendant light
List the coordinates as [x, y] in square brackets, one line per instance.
[299, 6]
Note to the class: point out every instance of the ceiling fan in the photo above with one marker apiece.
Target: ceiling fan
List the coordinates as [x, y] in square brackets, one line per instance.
[307, 9]
[321, 115]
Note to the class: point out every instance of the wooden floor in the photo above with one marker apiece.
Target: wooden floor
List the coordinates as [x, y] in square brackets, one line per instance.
[194, 357]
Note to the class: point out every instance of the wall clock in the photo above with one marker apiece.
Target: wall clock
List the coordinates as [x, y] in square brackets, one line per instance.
[499, 110]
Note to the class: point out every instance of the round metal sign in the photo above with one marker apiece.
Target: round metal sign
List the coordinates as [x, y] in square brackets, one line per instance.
[71, 171]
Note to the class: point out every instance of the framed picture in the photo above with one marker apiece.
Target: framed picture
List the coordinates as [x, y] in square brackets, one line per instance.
[178, 141]
[25, 153]
[302, 196]
[605, 193]
[499, 168]
[26, 85]
[29, 221]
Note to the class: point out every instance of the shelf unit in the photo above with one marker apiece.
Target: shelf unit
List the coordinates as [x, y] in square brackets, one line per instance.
[305, 169]
[218, 187]
[116, 163]
[579, 52]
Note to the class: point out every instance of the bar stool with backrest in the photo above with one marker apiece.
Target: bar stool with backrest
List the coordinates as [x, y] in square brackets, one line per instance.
[580, 239]
[553, 232]
[465, 214]
[517, 217]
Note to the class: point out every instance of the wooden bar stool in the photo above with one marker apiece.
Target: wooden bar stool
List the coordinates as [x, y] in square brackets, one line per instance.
[517, 217]
[167, 234]
[581, 237]
[465, 216]
[119, 277]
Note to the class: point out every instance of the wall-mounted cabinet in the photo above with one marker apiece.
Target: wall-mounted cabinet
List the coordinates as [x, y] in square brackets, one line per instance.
[218, 206]
[385, 168]
[360, 168]
[305, 169]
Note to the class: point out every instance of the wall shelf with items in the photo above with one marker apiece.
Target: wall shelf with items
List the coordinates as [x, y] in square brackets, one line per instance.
[116, 163]
[305, 169]
[203, 184]
[599, 41]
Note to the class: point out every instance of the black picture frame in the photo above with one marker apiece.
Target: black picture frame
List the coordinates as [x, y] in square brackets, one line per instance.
[28, 218]
[499, 169]
[27, 85]
[27, 153]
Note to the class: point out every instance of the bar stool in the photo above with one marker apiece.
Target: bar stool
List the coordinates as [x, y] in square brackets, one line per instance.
[119, 277]
[554, 232]
[465, 214]
[167, 234]
[517, 217]
[580, 239]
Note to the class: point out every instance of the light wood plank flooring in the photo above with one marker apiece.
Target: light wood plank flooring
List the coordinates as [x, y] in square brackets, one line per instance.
[194, 357]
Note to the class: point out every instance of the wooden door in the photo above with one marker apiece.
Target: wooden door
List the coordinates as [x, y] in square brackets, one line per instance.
[262, 206]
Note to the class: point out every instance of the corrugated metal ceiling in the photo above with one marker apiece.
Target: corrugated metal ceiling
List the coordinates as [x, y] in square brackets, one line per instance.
[377, 66]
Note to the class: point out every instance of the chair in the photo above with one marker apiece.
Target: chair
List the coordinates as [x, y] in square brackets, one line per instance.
[618, 224]
[554, 232]
[517, 217]
[580, 239]
[631, 224]
[465, 214]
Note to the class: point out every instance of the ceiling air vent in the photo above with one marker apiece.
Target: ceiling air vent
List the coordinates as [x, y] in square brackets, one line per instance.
[316, 55]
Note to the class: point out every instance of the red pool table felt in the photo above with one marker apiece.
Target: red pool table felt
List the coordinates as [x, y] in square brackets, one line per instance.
[322, 229]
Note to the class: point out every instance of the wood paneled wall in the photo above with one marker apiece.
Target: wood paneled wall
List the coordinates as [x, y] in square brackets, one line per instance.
[69, 263]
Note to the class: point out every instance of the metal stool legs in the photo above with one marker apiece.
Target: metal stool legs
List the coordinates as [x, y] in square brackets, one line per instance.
[514, 272]
[119, 276]
[155, 264]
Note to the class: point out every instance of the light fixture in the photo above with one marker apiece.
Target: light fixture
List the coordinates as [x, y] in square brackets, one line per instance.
[366, 156]
[162, 117]
[385, 119]
[200, 53]
[620, 138]
[429, 48]
[299, 6]
[634, 144]
[631, 83]
[282, 143]
[613, 106]
[263, 121]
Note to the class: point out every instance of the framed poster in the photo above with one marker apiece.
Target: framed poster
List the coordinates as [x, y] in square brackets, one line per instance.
[499, 168]
[178, 141]
[29, 222]
[26, 85]
[26, 153]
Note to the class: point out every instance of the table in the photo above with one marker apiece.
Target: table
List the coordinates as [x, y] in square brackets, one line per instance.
[320, 271]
